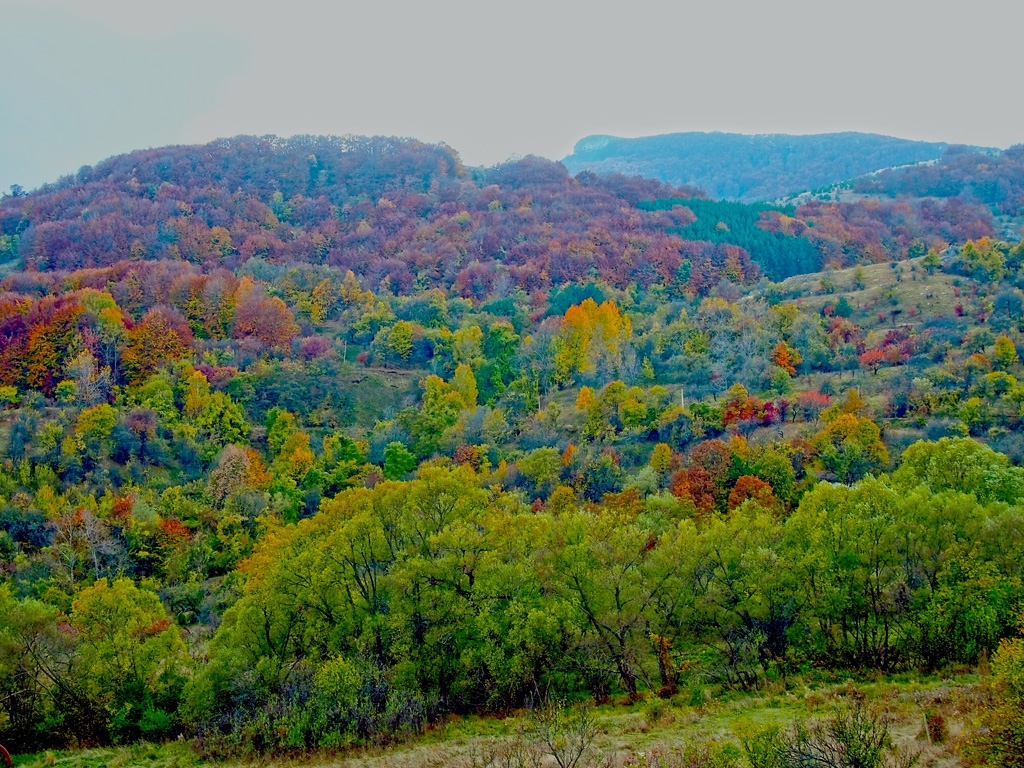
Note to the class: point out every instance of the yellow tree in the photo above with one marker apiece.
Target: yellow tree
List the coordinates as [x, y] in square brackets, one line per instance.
[661, 458]
[464, 383]
[467, 346]
[325, 300]
[850, 446]
[585, 399]
[296, 457]
[195, 390]
[1005, 353]
[95, 424]
[592, 334]
[161, 335]
[400, 339]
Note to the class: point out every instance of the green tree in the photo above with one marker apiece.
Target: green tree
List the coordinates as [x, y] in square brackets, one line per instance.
[439, 410]
[971, 610]
[543, 467]
[776, 469]
[65, 392]
[848, 572]
[222, 422]
[984, 260]
[859, 283]
[398, 461]
[415, 591]
[725, 588]
[497, 370]
[9, 396]
[132, 662]
[963, 465]
[598, 568]
[37, 695]
[280, 425]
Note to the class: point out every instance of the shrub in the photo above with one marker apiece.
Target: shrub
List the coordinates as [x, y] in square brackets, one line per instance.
[9, 396]
[566, 735]
[851, 738]
[1000, 740]
[938, 732]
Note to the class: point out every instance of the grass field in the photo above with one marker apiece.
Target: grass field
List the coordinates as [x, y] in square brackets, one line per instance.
[880, 288]
[376, 391]
[622, 730]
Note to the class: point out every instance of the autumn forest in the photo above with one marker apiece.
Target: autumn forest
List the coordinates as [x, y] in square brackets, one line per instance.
[325, 447]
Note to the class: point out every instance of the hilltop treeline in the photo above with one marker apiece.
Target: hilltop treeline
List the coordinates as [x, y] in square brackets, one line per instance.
[406, 217]
[749, 168]
[402, 215]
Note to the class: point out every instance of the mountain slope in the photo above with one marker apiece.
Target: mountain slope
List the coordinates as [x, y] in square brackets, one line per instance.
[749, 168]
[405, 216]
[992, 179]
[398, 212]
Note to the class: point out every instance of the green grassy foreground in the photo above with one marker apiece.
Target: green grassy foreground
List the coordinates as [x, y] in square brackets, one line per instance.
[623, 730]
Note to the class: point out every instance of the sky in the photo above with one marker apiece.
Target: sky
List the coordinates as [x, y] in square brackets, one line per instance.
[81, 80]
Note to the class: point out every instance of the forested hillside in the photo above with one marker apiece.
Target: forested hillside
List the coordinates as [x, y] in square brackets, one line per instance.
[994, 179]
[407, 217]
[748, 168]
[321, 444]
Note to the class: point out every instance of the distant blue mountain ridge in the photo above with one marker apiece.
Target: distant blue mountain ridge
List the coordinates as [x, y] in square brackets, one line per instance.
[751, 168]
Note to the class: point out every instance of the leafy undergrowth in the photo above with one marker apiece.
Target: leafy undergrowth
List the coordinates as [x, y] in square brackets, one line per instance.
[927, 716]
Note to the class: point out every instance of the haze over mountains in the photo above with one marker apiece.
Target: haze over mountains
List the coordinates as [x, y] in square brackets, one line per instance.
[746, 168]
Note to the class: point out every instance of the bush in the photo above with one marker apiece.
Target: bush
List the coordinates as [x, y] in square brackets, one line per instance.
[851, 738]
[9, 396]
[566, 735]
[938, 732]
[1000, 740]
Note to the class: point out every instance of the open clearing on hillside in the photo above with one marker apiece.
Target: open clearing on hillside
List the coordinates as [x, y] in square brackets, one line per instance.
[901, 285]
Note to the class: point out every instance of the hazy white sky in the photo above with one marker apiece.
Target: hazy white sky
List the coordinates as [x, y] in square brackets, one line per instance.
[81, 80]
